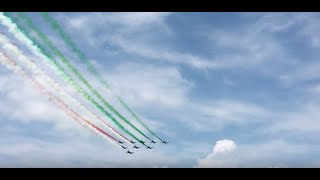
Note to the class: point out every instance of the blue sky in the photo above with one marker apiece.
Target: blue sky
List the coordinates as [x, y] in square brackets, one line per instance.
[225, 89]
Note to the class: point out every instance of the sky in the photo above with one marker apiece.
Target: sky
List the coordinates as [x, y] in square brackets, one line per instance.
[224, 89]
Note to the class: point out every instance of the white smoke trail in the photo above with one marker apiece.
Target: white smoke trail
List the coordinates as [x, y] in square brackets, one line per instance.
[12, 27]
[9, 47]
[58, 102]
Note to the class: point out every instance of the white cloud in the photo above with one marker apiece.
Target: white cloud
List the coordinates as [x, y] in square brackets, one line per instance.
[277, 22]
[75, 152]
[306, 24]
[304, 27]
[221, 149]
[302, 121]
[136, 33]
[251, 47]
[246, 48]
[105, 25]
[152, 52]
[139, 18]
[224, 146]
[214, 115]
[128, 19]
[163, 89]
[160, 88]
[150, 85]
[234, 111]
[274, 153]
[300, 74]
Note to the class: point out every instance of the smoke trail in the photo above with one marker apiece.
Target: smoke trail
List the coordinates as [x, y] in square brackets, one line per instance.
[43, 54]
[9, 47]
[136, 117]
[74, 70]
[11, 65]
[67, 39]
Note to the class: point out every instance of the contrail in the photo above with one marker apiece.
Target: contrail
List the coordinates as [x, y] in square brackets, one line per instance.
[67, 39]
[9, 47]
[74, 70]
[41, 52]
[11, 65]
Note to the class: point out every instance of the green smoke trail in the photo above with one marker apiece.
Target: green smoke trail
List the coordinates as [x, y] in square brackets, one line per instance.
[67, 39]
[74, 70]
[66, 77]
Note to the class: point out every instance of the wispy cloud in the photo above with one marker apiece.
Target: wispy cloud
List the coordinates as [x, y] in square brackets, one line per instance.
[164, 89]
[147, 84]
[127, 19]
[151, 52]
[30, 106]
[303, 121]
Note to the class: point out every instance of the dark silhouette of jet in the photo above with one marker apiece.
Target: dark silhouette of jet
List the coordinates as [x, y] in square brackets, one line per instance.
[136, 147]
[120, 142]
[129, 152]
[149, 147]
[153, 142]
[132, 142]
[163, 142]
[124, 147]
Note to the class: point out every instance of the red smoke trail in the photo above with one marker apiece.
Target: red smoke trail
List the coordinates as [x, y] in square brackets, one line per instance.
[31, 64]
[60, 104]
